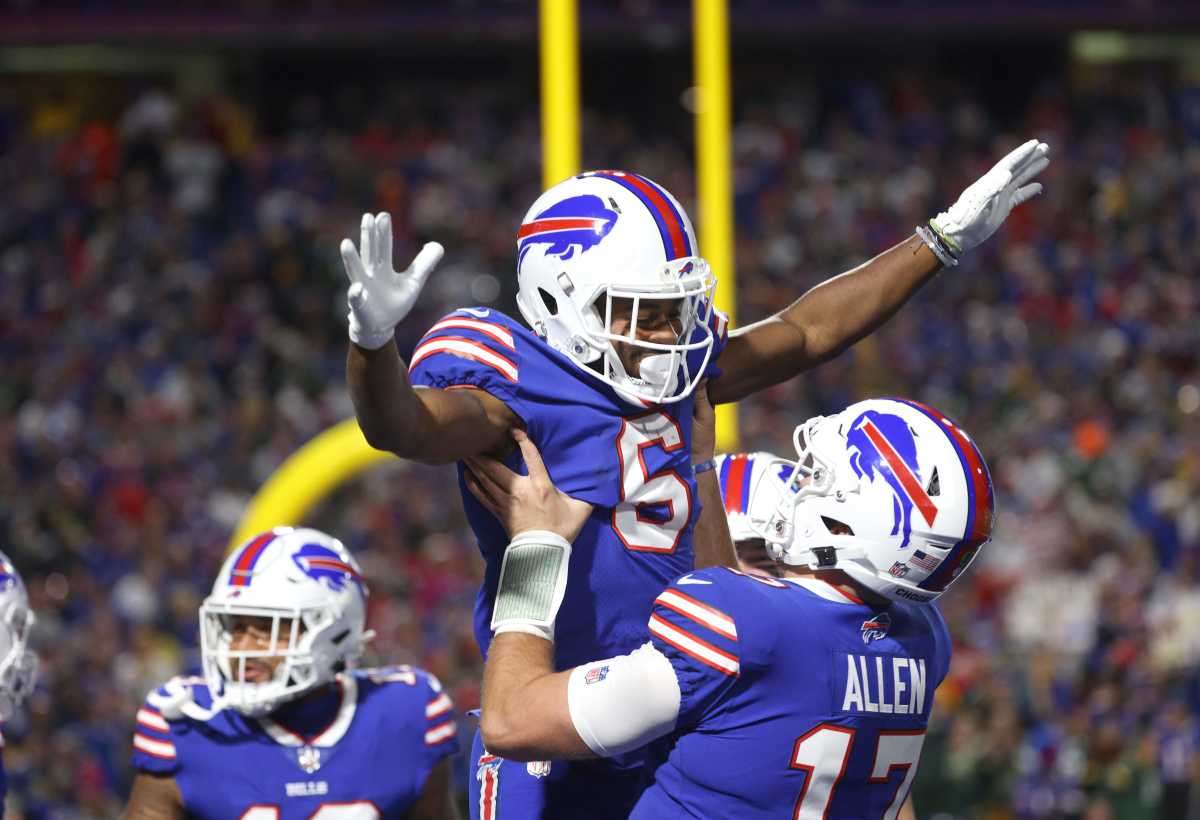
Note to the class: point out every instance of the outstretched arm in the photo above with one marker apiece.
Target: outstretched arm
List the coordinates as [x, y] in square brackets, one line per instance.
[838, 312]
[426, 424]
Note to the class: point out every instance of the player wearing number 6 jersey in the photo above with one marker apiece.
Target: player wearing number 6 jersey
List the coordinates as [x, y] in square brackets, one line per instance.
[283, 726]
[620, 330]
[802, 696]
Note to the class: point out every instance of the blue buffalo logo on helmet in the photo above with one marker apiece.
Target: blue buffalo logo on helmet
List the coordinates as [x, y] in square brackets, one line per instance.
[882, 446]
[8, 575]
[575, 223]
[324, 564]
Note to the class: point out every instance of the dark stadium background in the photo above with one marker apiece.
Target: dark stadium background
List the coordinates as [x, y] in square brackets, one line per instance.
[176, 180]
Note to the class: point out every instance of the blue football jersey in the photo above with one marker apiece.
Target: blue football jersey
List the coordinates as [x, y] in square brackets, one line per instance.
[796, 701]
[632, 461]
[390, 727]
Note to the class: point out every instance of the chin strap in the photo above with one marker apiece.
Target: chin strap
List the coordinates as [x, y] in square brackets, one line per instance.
[177, 702]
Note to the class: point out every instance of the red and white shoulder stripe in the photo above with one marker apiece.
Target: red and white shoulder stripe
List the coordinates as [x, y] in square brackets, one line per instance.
[460, 335]
[163, 749]
[150, 718]
[689, 644]
[698, 611]
[719, 322]
[438, 706]
[441, 733]
[152, 734]
[440, 713]
[697, 629]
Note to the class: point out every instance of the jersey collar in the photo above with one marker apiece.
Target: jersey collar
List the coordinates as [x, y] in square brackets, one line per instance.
[329, 736]
[823, 589]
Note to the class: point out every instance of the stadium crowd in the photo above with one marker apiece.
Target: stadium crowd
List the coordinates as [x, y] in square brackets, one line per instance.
[172, 326]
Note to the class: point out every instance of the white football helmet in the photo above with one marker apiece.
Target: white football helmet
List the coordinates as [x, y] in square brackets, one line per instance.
[18, 664]
[740, 475]
[910, 485]
[606, 235]
[308, 587]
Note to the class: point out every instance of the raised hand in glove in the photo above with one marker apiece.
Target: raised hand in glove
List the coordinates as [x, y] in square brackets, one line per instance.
[378, 296]
[985, 205]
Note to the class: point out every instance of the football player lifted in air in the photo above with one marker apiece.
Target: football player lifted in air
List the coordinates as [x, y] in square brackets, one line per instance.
[18, 664]
[804, 695]
[282, 725]
[621, 327]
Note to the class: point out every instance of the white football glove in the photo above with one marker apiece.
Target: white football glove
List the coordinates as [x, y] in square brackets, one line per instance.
[379, 297]
[985, 205]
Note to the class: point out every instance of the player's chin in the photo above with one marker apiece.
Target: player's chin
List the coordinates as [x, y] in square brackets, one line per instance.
[633, 365]
[258, 674]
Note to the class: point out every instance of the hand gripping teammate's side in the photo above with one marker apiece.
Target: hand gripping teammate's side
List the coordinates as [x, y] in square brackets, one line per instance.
[379, 297]
[983, 207]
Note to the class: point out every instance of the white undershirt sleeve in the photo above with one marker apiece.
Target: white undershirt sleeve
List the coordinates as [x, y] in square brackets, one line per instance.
[624, 702]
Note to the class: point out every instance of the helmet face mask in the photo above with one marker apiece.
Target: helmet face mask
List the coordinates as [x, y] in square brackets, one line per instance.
[597, 241]
[299, 597]
[889, 491]
[18, 664]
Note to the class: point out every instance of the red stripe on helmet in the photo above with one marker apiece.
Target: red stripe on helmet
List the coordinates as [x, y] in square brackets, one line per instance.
[240, 575]
[670, 219]
[902, 472]
[556, 223]
[985, 504]
[734, 481]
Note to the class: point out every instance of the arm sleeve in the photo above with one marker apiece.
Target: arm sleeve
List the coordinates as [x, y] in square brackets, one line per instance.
[692, 625]
[154, 749]
[466, 349]
[625, 702]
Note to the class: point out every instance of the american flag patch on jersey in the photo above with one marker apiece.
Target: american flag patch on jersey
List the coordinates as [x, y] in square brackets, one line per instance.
[596, 674]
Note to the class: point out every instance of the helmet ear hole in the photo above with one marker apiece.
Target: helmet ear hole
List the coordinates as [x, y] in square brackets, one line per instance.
[836, 527]
[549, 301]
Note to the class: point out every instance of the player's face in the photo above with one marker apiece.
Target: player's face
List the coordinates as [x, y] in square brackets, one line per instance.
[753, 558]
[253, 634]
[658, 320]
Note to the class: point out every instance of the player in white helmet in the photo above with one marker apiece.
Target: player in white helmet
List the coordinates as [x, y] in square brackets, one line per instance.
[619, 328]
[18, 664]
[283, 724]
[828, 669]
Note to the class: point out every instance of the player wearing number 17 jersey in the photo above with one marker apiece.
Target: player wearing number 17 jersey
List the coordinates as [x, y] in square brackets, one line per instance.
[618, 304]
[805, 695]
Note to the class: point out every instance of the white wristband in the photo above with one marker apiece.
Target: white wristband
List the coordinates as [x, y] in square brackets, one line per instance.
[533, 580]
[934, 242]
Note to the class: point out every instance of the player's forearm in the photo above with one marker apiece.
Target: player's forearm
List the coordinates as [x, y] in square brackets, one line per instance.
[385, 403]
[429, 425]
[437, 800]
[525, 715]
[824, 321]
[154, 797]
[840, 311]
[711, 540]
